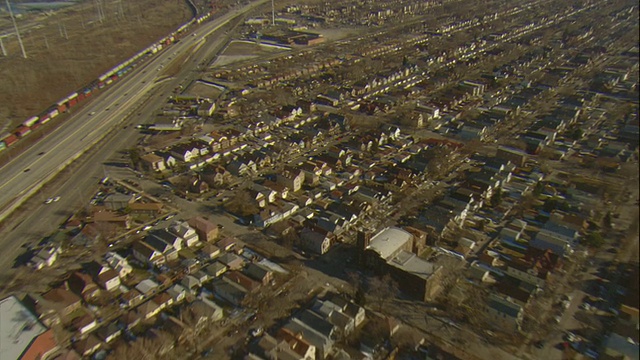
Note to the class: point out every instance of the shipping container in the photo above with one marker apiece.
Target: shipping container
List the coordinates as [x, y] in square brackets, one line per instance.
[101, 84]
[72, 102]
[45, 119]
[114, 77]
[2, 145]
[53, 113]
[29, 122]
[22, 131]
[10, 140]
[35, 126]
[61, 106]
[80, 97]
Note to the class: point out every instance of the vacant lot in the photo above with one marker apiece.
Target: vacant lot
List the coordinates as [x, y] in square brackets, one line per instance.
[69, 48]
[243, 50]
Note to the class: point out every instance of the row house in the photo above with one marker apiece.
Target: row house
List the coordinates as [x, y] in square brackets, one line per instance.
[292, 178]
[118, 263]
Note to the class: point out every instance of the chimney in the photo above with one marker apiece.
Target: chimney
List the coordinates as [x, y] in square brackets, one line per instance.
[363, 240]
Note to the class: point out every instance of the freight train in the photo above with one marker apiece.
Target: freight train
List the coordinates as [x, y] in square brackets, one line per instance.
[104, 80]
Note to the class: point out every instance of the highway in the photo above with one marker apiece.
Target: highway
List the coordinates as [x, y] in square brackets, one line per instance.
[26, 173]
[76, 183]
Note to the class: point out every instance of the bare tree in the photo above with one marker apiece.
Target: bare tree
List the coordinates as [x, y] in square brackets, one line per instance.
[383, 289]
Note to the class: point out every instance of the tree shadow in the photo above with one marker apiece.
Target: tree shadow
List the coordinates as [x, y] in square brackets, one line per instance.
[24, 258]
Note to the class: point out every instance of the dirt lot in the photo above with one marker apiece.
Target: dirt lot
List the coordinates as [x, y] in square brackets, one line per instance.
[201, 89]
[243, 50]
[69, 48]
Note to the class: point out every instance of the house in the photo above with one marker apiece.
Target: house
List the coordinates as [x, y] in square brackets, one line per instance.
[229, 291]
[210, 251]
[291, 178]
[317, 241]
[216, 269]
[84, 323]
[110, 332]
[168, 242]
[87, 346]
[185, 232]
[206, 310]
[343, 323]
[45, 257]
[191, 283]
[259, 273]
[147, 310]
[163, 300]
[108, 279]
[184, 152]
[504, 314]
[83, 286]
[205, 229]
[119, 264]
[549, 240]
[130, 297]
[349, 308]
[152, 162]
[243, 280]
[177, 292]
[323, 344]
[147, 254]
[286, 346]
[231, 260]
[147, 287]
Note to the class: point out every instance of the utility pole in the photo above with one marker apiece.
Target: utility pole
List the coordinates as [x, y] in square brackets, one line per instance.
[15, 26]
[4, 51]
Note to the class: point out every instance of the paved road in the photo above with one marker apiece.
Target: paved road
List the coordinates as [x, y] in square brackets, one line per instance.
[30, 170]
[78, 182]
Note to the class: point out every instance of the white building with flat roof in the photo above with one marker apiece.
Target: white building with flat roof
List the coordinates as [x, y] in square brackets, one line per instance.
[19, 329]
[390, 241]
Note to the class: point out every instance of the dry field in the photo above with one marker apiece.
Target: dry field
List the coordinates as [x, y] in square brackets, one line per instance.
[242, 50]
[71, 47]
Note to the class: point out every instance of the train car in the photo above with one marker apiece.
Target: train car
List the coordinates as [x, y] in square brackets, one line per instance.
[45, 118]
[61, 106]
[80, 96]
[10, 139]
[22, 131]
[35, 126]
[53, 113]
[72, 100]
[30, 121]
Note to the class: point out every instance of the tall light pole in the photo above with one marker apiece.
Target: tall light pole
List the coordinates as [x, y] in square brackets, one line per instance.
[273, 13]
[15, 26]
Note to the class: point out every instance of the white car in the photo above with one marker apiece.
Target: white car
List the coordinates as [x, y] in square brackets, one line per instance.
[48, 201]
[56, 199]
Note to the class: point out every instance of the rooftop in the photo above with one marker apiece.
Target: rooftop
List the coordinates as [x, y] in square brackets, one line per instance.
[389, 240]
[18, 328]
[413, 264]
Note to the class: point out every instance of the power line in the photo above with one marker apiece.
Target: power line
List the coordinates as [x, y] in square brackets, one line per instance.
[15, 26]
